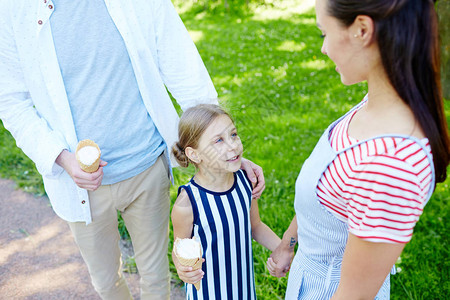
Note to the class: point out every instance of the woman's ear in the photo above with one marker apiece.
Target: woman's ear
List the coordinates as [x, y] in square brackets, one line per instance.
[192, 154]
[363, 28]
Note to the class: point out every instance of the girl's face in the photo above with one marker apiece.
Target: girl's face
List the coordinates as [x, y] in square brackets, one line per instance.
[220, 148]
[340, 45]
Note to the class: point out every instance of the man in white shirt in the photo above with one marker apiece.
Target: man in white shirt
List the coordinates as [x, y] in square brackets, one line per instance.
[99, 69]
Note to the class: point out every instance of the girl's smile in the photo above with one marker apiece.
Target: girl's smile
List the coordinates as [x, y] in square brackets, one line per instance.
[234, 158]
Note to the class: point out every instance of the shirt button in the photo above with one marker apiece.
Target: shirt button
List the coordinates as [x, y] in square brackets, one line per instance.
[50, 6]
[83, 202]
[40, 22]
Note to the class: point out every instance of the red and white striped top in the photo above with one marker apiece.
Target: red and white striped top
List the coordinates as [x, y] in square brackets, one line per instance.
[379, 187]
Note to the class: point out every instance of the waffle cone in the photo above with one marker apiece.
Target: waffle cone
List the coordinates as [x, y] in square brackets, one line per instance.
[195, 263]
[94, 166]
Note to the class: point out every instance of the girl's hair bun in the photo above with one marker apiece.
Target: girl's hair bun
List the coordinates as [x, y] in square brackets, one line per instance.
[180, 156]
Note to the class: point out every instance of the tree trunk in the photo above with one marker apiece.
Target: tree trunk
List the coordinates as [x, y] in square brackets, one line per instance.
[443, 11]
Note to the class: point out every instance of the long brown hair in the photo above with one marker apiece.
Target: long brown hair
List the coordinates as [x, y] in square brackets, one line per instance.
[407, 35]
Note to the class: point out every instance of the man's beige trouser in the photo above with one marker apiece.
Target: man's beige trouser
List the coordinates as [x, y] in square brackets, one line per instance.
[143, 201]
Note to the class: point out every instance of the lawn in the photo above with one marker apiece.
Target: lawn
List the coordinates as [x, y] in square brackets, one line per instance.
[270, 74]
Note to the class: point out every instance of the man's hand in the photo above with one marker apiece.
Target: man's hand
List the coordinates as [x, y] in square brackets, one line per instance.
[256, 176]
[88, 181]
[186, 273]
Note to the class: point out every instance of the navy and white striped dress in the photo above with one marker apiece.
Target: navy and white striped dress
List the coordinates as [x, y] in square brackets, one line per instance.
[222, 225]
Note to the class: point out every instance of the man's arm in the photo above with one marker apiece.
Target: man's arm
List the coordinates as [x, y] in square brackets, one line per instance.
[184, 73]
[181, 67]
[256, 176]
[31, 132]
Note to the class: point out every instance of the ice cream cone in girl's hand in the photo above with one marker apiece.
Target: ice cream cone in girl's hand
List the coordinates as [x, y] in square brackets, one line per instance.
[88, 155]
[189, 253]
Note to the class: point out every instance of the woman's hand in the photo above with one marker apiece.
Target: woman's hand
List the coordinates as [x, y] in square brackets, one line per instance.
[256, 176]
[281, 258]
[186, 273]
[84, 180]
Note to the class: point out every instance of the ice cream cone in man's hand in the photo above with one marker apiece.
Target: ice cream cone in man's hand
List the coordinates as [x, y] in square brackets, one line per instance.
[189, 253]
[88, 155]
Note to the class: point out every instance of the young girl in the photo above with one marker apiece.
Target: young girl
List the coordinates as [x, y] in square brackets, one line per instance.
[365, 185]
[216, 207]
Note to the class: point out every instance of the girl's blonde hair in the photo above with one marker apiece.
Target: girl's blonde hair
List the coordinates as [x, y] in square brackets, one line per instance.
[193, 123]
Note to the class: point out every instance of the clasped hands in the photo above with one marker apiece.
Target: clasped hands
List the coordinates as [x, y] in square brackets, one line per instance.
[280, 261]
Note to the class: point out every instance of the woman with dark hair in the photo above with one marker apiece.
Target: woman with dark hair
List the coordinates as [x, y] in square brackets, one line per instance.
[366, 183]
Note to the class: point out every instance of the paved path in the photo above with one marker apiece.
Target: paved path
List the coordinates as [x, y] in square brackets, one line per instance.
[38, 256]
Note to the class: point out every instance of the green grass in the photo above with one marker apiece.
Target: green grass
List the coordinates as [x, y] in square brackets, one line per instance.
[16, 166]
[283, 93]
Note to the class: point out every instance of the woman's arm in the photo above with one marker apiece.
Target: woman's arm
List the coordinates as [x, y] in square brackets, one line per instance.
[183, 222]
[364, 268]
[280, 260]
[260, 231]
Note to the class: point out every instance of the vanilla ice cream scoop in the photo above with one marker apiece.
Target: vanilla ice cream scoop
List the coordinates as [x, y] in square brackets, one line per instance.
[88, 155]
[188, 248]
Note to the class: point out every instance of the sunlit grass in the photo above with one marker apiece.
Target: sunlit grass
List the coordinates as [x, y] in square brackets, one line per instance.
[283, 92]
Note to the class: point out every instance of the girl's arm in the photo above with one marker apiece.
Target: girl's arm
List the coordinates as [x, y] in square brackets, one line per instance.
[280, 260]
[260, 231]
[183, 222]
[364, 268]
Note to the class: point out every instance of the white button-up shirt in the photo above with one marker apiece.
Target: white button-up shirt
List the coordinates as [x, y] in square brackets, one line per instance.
[33, 101]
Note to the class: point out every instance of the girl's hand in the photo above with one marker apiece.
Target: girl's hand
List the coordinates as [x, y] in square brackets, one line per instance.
[256, 176]
[186, 273]
[271, 266]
